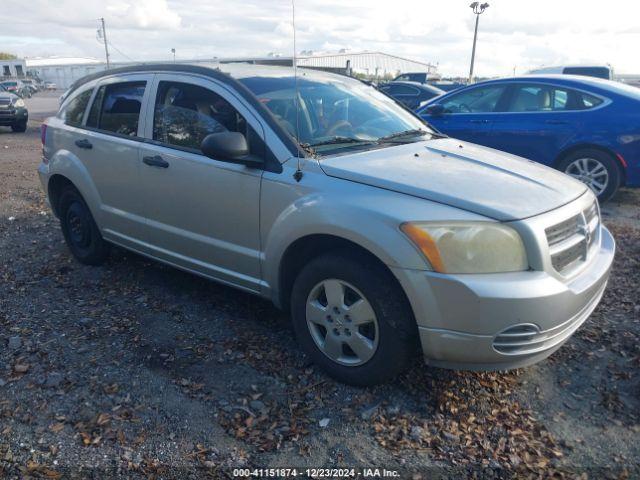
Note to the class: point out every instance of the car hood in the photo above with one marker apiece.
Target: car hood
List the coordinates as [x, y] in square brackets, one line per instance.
[467, 176]
[8, 96]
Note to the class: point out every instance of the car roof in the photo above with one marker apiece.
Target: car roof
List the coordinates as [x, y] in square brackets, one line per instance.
[424, 86]
[597, 85]
[569, 80]
[237, 71]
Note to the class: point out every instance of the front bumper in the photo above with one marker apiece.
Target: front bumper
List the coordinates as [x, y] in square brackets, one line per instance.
[13, 116]
[460, 316]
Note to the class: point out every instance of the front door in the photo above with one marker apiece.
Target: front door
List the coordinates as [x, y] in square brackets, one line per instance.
[202, 214]
[469, 114]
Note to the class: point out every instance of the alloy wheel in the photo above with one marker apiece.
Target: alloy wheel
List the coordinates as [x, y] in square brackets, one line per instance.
[590, 172]
[342, 322]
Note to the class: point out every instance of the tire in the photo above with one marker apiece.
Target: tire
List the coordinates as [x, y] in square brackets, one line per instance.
[581, 165]
[80, 230]
[19, 127]
[391, 338]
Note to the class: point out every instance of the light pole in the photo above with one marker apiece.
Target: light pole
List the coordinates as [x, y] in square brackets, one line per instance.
[478, 8]
[173, 50]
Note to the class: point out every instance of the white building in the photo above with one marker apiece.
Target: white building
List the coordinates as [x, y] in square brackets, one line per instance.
[376, 64]
[63, 71]
[13, 68]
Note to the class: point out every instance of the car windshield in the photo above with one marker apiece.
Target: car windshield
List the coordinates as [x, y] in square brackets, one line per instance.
[10, 84]
[335, 114]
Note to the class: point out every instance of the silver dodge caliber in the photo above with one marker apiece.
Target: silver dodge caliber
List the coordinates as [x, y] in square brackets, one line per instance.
[380, 235]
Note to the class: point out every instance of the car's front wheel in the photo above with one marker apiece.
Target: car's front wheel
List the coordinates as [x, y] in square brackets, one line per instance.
[595, 168]
[80, 230]
[19, 127]
[353, 319]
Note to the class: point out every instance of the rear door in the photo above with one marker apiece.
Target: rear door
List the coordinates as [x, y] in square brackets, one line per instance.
[469, 114]
[539, 120]
[109, 147]
[202, 214]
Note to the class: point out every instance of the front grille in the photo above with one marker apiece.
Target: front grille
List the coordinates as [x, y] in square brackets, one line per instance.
[5, 101]
[571, 240]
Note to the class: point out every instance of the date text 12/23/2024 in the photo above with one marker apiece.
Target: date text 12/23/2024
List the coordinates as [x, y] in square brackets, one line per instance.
[315, 473]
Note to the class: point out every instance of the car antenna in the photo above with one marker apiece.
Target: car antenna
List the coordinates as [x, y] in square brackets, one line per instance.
[298, 173]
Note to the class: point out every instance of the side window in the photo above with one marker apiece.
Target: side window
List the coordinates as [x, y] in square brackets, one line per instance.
[94, 112]
[184, 114]
[476, 100]
[403, 90]
[116, 108]
[586, 101]
[541, 98]
[74, 110]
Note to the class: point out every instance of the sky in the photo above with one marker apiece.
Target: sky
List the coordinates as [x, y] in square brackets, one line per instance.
[513, 34]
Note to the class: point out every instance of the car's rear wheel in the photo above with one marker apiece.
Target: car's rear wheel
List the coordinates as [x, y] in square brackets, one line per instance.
[352, 318]
[19, 127]
[80, 230]
[595, 168]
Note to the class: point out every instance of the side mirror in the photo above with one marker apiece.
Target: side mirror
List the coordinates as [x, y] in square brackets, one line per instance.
[229, 147]
[435, 109]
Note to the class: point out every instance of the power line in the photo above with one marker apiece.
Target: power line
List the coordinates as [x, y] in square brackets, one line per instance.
[120, 51]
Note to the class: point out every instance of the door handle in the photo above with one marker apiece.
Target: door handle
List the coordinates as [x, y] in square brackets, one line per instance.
[156, 161]
[84, 143]
[479, 121]
[556, 122]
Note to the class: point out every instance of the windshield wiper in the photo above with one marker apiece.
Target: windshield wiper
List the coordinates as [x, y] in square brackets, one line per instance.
[337, 140]
[408, 133]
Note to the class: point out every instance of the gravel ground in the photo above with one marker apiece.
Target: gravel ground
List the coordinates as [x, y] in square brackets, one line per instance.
[136, 370]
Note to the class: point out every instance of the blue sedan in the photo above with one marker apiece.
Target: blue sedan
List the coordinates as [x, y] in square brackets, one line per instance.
[586, 127]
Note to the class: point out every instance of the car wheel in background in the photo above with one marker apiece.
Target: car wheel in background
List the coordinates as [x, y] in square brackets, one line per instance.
[19, 127]
[352, 318]
[595, 168]
[80, 230]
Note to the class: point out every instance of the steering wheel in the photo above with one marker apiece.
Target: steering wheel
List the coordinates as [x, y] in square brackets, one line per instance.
[464, 108]
[337, 126]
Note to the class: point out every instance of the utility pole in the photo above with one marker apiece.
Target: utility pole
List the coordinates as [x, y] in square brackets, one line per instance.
[478, 8]
[106, 44]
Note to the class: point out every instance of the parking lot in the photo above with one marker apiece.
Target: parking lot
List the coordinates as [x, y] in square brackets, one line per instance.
[136, 369]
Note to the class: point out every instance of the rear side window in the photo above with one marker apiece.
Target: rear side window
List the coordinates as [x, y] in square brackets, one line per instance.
[540, 98]
[548, 98]
[116, 108]
[73, 112]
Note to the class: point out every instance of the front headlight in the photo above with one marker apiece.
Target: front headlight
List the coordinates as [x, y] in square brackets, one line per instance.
[478, 247]
[19, 103]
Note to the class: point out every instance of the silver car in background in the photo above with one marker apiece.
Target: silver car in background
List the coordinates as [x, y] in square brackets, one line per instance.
[378, 234]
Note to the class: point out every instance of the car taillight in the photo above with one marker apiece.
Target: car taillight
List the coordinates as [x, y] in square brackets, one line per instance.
[43, 133]
[43, 139]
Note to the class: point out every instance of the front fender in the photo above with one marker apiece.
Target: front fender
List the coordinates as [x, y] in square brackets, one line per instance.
[367, 216]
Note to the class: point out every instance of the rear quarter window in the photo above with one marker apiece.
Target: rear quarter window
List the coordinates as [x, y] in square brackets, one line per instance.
[73, 112]
[587, 101]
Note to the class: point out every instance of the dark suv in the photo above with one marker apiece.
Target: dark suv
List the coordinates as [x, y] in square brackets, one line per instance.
[13, 111]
